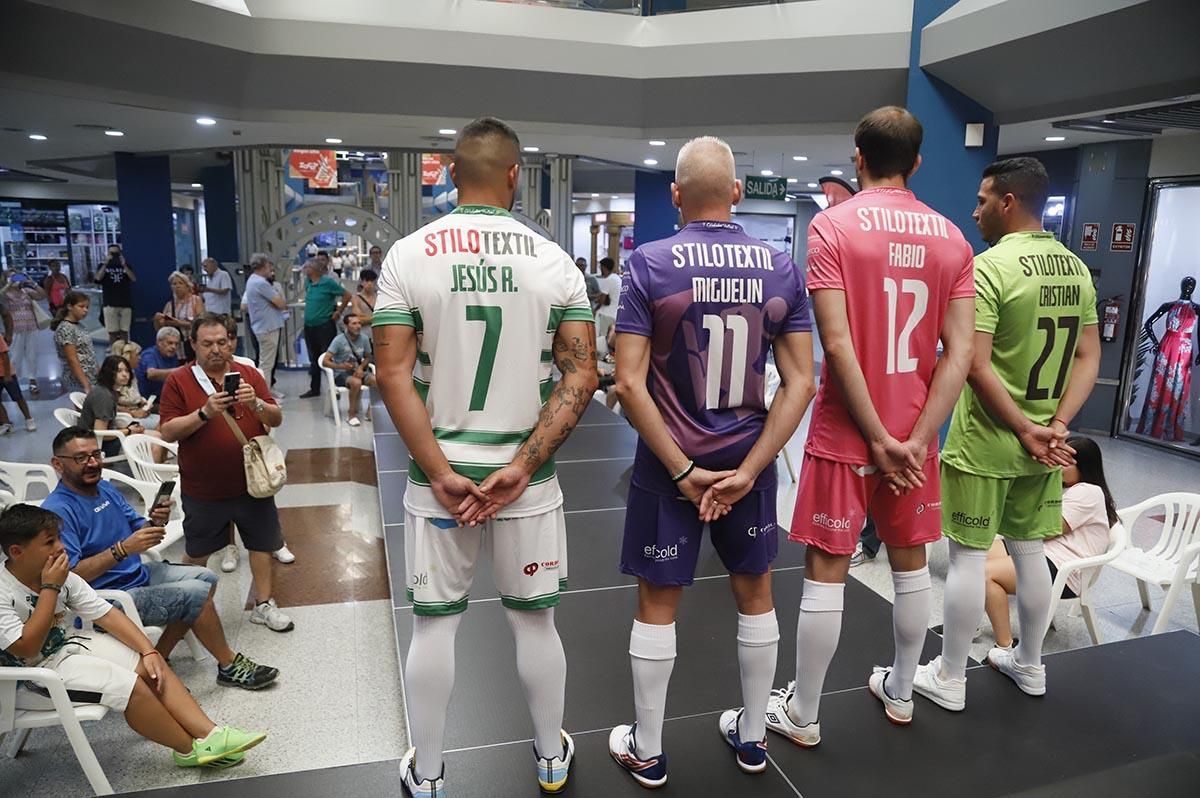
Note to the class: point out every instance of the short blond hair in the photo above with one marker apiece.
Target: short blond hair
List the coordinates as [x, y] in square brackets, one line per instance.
[705, 167]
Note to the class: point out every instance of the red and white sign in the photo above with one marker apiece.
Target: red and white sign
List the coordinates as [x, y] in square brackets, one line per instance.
[1122, 238]
[433, 169]
[1091, 237]
[318, 167]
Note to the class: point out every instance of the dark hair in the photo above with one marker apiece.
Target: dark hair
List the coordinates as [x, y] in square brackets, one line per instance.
[69, 434]
[375, 247]
[1025, 178]
[206, 320]
[478, 151]
[607, 264]
[21, 523]
[72, 298]
[321, 252]
[186, 269]
[889, 140]
[367, 274]
[229, 321]
[349, 316]
[53, 262]
[108, 371]
[1090, 463]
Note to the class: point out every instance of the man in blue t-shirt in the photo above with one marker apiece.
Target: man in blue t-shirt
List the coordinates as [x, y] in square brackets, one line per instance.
[104, 538]
[156, 364]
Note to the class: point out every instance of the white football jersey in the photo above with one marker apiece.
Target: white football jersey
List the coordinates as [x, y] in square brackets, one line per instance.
[485, 295]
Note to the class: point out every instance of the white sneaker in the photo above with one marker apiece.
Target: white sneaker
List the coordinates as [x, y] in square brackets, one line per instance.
[553, 771]
[948, 694]
[780, 722]
[270, 616]
[5, 428]
[417, 788]
[229, 559]
[278, 395]
[31, 425]
[751, 755]
[354, 422]
[284, 555]
[898, 711]
[1030, 678]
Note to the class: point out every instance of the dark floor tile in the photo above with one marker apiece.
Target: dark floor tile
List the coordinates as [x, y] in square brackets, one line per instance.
[590, 486]
[337, 464]
[598, 442]
[597, 413]
[368, 780]
[336, 561]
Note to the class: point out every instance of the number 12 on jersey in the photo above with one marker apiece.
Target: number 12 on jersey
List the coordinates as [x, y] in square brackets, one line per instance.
[898, 359]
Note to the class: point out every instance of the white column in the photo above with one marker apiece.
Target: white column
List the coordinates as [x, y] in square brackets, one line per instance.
[404, 190]
[561, 181]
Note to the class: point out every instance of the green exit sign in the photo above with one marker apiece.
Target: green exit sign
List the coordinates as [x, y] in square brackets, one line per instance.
[765, 188]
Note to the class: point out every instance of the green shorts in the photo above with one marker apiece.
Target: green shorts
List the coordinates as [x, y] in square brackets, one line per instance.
[976, 508]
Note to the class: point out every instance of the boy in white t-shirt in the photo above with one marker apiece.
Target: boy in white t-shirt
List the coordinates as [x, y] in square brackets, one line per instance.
[120, 670]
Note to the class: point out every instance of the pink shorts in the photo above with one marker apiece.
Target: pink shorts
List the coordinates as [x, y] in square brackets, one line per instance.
[834, 499]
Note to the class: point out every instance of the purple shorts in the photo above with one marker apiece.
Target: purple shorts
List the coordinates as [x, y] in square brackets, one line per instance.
[662, 536]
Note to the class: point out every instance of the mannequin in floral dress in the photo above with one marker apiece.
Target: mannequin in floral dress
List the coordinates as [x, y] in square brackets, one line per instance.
[1164, 414]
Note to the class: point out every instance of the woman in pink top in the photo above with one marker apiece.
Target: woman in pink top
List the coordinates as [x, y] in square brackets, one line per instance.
[1088, 511]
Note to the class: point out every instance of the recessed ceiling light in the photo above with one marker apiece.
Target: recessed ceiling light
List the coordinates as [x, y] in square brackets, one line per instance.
[813, 185]
[207, 121]
[595, 195]
[197, 185]
[531, 149]
[1056, 138]
[650, 162]
[114, 133]
[793, 180]
[333, 141]
[447, 131]
[657, 143]
[836, 172]
[37, 137]
[799, 157]
[766, 173]
[614, 196]
[1107, 122]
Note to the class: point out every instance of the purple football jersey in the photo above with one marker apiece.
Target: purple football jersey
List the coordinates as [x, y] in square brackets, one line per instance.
[711, 299]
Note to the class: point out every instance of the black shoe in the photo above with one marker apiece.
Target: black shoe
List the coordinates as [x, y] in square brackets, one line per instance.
[246, 673]
[310, 394]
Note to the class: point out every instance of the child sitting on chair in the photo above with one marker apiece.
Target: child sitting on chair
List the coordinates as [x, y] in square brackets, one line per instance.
[120, 670]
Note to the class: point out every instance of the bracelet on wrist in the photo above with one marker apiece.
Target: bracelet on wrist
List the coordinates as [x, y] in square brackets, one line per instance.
[51, 586]
[687, 469]
[148, 653]
[1059, 420]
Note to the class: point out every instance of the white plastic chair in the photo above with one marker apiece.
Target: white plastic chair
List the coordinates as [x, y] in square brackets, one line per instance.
[18, 722]
[1089, 571]
[77, 398]
[334, 392]
[21, 476]
[70, 418]
[1174, 560]
[139, 451]
[146, 491]
[122, 419]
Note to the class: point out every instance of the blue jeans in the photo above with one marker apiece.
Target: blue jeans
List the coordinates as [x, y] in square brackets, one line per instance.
[174, 593]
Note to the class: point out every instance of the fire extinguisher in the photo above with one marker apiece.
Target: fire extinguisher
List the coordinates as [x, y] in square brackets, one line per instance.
[1112, 318]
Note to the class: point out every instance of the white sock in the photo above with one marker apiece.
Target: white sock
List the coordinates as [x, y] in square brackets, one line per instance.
[817, 632]
[1033, 598]
[429, 678]
[910, 622]
[652, 657]
[543, 671]
[963, 607]
[758, 649]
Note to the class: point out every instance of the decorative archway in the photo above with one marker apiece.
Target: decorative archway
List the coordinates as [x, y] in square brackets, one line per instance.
[287, 234]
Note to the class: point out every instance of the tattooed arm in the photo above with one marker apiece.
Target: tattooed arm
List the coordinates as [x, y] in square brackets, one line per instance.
[575, 356]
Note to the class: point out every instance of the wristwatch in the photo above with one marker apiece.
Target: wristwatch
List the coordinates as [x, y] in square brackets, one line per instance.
[200, 412]
[259, 406]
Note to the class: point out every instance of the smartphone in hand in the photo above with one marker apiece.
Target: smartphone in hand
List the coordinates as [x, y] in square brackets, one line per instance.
[232, 381]
[164, 493]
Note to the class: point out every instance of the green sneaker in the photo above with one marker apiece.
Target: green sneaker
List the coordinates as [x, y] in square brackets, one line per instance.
[219, 744]
[227, 762]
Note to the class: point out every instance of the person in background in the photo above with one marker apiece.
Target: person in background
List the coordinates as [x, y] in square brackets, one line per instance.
[218, 287]
[376, 258]
[589, 281]
[56, 285]
[20, 293]
[349, 356]
[189, 271]
[363, 303]
[121, 669]
[116, 278]
[610, 296]
[1088, 511]
[129, 398]
[183, 306]
[155, 365]
[99, 411]
[324, 301]
[265, 306]
[10, 384]
[74, 343]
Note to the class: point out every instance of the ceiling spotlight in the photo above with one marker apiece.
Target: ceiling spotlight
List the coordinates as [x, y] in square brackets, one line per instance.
[197, 185]
[1107, 122]
[836, 172]
[531, 149]
[799, 157]
[333, 141]
[793, 180]
[447, 131]
[37, 137]
[650, 162]
[595, 195]
[207, 121]
[657, 143]
[766, 173]
[1056, 138]
[614, 196]
[813, 185]
[114, 133]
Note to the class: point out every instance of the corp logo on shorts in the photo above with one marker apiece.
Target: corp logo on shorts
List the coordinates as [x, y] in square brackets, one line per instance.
[530, 569]
[550, 565]
[754, 531]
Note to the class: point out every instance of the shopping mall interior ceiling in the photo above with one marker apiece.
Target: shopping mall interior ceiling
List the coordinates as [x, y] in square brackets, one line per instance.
[779, 81]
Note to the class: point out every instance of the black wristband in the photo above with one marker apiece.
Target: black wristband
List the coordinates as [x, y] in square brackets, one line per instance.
[51, 586]
[682, 475]
[200, 412]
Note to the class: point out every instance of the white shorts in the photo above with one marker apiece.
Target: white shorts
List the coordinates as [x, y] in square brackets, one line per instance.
[96, 669]
[529, 561]
[117, 319]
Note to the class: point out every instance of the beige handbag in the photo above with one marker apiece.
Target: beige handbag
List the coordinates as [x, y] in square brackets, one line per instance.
[266, 472]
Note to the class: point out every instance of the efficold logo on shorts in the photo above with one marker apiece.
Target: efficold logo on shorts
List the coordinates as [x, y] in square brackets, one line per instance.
[531, 569]
[825, 521]
[976, 521]
[420, 580]
[662, 553]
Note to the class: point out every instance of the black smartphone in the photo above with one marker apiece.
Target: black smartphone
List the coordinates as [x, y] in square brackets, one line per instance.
[164, 493]
[232, 381]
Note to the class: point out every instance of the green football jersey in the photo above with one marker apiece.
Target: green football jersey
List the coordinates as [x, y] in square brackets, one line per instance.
[1035, 297]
